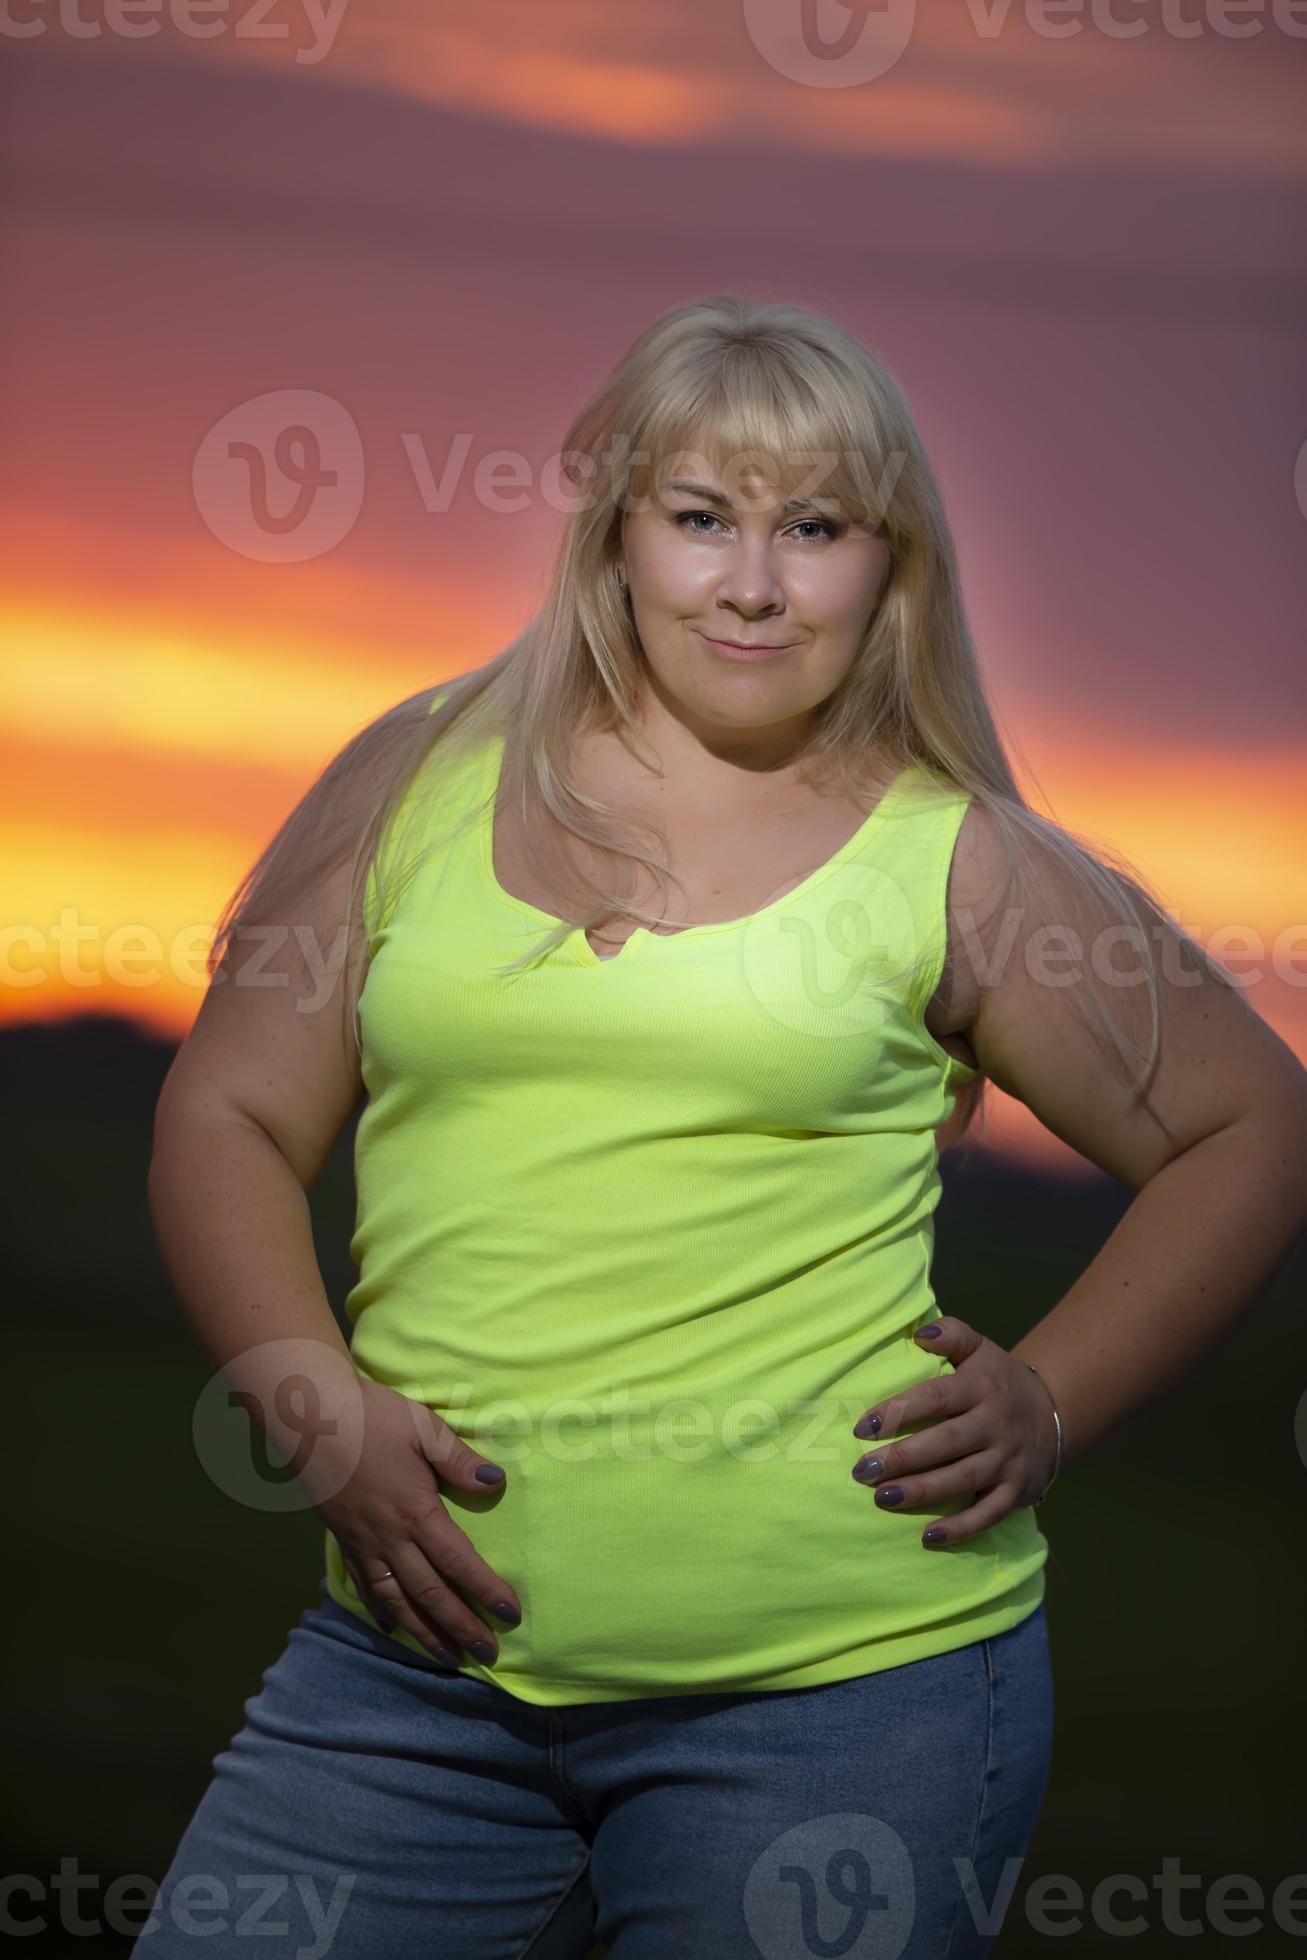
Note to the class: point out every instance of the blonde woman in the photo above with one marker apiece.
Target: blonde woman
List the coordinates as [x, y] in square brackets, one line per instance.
[684, 1588]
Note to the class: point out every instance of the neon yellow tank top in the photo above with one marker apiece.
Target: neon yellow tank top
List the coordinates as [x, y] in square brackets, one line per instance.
[652, 1231]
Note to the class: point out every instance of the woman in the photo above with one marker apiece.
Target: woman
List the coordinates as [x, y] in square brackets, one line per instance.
[683, 1584]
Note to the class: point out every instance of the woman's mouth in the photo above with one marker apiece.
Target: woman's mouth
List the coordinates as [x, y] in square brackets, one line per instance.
[748, 649]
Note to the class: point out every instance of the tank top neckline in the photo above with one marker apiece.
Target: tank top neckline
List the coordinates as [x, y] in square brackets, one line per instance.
[895, 793]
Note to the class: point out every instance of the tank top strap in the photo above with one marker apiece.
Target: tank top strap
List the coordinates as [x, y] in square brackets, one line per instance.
[913, 849]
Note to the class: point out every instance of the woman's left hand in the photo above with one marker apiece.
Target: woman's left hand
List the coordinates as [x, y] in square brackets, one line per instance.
[991, 1432]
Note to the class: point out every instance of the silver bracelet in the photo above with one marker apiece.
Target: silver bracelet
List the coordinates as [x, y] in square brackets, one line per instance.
[1057, 1420]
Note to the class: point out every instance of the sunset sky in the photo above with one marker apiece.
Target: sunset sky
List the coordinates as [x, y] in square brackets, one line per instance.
[1080, 254]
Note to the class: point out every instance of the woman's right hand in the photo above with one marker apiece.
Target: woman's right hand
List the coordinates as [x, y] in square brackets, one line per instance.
[388, 1512]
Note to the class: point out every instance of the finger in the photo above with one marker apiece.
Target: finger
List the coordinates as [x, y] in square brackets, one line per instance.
[383, 1596]
[454, 1556]
[943, 1442]
[970, 1474]
[430, 1574]
[364, 1588]
[406, 1617]
[928, 1401]
[989, 1509]
[424, 1605]
[949, 1336]
[454, 1461]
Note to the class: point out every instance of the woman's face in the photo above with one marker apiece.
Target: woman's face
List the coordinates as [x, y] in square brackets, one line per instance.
[709, 561]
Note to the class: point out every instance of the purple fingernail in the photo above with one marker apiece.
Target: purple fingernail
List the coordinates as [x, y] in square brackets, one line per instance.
[931, 1333]
[509, 1613]
[869, 1469]
[868, 1426]
[482, 1649]
[890, 1495]
[934, 1536]
[489, 1473]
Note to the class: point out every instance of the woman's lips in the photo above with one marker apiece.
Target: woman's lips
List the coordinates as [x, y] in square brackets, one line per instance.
[731, 650]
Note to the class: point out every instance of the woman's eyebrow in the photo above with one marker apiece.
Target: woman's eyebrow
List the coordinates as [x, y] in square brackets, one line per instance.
[716, 496]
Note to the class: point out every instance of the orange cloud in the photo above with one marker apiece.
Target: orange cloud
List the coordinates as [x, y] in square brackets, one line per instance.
[986, 81]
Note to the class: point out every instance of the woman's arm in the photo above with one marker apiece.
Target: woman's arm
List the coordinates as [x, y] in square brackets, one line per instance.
[1220, 1199]
[257, 1095]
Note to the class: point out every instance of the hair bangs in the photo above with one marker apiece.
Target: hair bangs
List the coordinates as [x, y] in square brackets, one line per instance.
[756, 424]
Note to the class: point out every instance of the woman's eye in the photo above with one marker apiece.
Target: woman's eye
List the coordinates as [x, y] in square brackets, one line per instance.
[823, 525]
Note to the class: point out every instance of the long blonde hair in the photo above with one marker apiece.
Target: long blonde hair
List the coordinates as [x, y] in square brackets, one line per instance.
[721, 377]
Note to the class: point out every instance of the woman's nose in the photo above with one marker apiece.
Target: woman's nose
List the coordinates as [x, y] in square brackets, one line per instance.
[750, 579]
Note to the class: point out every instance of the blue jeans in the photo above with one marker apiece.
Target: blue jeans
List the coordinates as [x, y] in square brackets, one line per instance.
[378, 1805]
